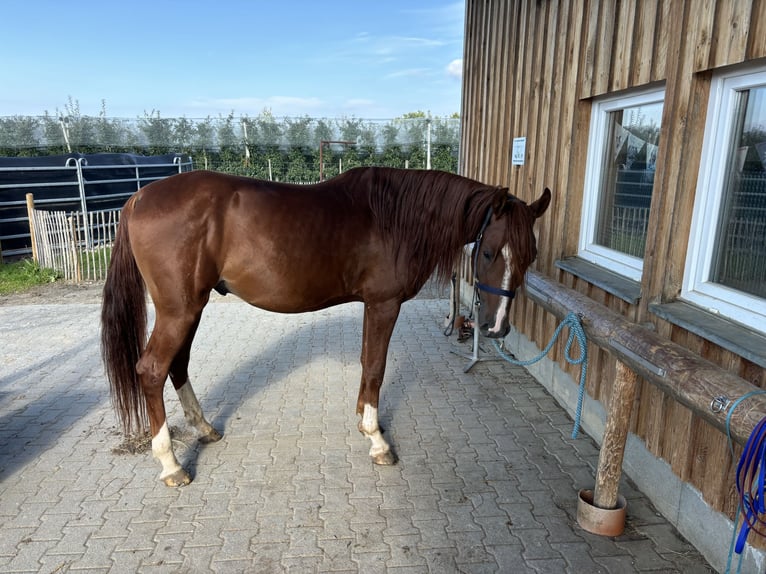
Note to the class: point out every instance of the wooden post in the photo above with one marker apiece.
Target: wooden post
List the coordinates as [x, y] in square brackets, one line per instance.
[615, 436]
[73, 242]
[31, 216]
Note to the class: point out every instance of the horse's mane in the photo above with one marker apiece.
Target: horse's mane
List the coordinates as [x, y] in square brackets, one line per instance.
[429, 215]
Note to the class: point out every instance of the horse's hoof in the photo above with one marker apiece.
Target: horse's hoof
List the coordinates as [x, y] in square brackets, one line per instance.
[212, 436]
[178, 478]
[384, 458]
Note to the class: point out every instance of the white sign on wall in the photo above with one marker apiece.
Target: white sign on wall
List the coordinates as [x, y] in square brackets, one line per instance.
[519, 151]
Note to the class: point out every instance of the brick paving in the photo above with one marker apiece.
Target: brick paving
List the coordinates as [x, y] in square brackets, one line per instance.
[487, 479]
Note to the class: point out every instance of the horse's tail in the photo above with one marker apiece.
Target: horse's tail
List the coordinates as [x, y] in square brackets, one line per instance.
[123, 329]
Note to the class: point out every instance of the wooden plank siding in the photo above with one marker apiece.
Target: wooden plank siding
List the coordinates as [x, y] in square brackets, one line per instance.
[532, 68]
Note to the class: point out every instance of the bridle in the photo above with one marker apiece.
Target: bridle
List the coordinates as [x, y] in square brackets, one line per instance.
[477, 285]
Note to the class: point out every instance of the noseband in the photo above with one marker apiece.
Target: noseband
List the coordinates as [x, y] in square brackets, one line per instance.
[478, 286]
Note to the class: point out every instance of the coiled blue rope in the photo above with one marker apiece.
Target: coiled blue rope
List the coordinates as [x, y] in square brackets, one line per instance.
[577, 332]
[750, 482]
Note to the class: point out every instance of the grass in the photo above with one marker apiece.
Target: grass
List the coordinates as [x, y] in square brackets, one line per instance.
[22, 275]
[95, 261]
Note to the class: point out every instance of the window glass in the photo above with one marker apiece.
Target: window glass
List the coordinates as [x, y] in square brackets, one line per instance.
[623, 146]
[726, 259]
[739, 252]
[628, 178]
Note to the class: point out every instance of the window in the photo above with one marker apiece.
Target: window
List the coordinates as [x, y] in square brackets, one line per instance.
[619, 179]
[726, 260]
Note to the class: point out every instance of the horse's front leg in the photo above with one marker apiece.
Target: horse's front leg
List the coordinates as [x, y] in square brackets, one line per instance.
[379, 321]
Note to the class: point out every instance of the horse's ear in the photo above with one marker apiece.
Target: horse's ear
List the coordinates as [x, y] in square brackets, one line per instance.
[539, 206]
[500, 202]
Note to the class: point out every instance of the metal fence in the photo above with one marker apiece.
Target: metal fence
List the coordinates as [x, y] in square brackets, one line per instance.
[75, 244]
[78, 183]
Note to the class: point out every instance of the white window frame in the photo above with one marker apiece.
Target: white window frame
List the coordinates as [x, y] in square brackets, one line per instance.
[697, 288]
[621, 263]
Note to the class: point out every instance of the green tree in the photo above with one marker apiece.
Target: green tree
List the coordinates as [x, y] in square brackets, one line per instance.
[157, 132]
[203, 142]
[299, 169]
[350, 128]
[298, 132]
[109, 133]
[53, 134]
[390, 134]
[220, 143]
[79, 130]
[392, 156]
[268, 129]
[19, 135]
[230, 150]
[322, 132]
[183, 134]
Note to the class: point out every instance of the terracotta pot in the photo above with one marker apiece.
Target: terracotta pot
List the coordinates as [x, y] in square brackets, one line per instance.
[603, 521]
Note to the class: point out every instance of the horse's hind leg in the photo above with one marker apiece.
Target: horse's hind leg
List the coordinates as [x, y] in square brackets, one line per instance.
[168, 337]
[179, 375]
[379, 321]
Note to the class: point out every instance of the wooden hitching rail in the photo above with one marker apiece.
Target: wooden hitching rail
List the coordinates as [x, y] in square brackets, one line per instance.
[686, 377]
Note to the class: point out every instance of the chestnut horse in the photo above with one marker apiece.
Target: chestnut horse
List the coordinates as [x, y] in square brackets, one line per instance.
[373, 235]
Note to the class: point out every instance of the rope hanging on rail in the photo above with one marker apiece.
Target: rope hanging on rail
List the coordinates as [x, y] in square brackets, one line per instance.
[750, 483]
[577, 332]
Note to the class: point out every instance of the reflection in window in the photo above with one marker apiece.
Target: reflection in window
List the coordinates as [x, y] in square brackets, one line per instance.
[619, 177]
[628, 178]
[739, 256]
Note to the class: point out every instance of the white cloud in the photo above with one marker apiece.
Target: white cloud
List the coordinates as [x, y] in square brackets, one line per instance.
[410, 41]
[388, 47]
[455, 68]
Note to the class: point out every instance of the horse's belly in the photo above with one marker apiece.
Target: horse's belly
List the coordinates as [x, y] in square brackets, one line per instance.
[289, 296]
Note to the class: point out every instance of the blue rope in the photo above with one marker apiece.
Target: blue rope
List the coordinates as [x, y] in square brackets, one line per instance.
[576, 331]
[731, 411]
[732, 543]
[752, 462]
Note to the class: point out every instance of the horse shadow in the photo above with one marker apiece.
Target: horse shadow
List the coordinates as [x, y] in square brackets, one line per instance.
[42, 420]
[300, 344]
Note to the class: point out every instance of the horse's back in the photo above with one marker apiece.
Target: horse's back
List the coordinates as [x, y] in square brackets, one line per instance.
[280, 247]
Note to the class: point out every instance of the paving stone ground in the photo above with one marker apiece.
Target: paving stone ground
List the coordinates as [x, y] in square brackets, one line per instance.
[487, 479]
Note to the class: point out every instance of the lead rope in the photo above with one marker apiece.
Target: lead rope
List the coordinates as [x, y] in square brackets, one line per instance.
[750, 483]
[576, 331]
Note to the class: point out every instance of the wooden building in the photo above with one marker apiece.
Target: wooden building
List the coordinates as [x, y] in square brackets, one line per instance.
[647, 119]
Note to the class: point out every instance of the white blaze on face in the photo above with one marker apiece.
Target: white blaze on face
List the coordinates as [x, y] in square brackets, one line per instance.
[502, 307]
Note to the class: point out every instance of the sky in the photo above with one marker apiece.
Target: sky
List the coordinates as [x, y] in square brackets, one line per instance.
[319, 58]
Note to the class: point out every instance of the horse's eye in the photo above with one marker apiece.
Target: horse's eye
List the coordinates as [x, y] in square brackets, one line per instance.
[487, 255]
